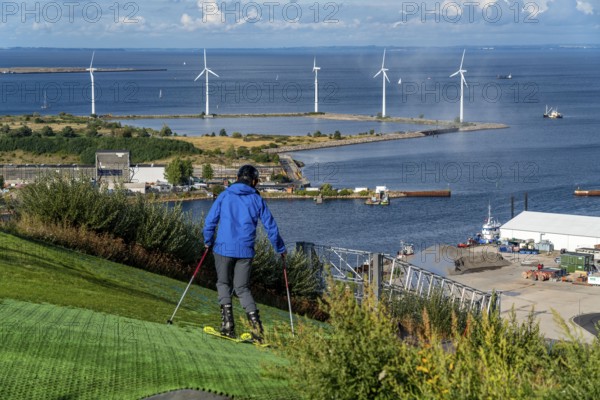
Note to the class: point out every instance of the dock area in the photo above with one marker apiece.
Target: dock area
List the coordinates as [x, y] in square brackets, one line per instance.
[572, 301]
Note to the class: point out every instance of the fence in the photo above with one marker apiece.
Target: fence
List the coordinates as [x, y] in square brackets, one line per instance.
[391, 276]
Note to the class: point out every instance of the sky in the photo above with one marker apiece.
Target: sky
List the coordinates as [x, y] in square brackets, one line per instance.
[274, 24]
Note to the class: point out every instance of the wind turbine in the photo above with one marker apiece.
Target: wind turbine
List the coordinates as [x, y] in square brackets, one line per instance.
[461, 71]
[316, 71]
[91, 69]
[384, 78]
[207, 70]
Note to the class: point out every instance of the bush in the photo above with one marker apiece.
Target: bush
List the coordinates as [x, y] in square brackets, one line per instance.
[76, 203]
[304, 276]
[68, 132]
[348, 359]
[360, 355]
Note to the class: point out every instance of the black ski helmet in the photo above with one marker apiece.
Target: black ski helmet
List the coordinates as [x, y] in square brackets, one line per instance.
[248, 174]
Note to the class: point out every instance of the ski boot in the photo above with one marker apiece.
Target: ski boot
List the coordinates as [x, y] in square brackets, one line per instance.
[227, 322]
[257, 328]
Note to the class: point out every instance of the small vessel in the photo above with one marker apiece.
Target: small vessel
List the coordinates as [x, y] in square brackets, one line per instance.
[552, 113]
[509, 76]
[490, 231]
[160, 94]
[406, 249]
[380, 198]
[45, 106]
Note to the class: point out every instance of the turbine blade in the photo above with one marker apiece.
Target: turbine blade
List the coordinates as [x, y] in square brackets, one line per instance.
[463, 80]
[198, 77]
[208, 70]
[383, 61]
[462, 59]
[375, 76]
[386, 77]
[204, 58]
[92, 62]
[454, 74]
[400, 81]
[314, 63]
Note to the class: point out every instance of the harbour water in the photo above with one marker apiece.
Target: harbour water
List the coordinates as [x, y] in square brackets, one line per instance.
[548, 159]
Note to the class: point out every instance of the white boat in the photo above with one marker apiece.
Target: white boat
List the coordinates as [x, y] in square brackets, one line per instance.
[490, 231]
[406, 249]
[45, 106]
[552, 113]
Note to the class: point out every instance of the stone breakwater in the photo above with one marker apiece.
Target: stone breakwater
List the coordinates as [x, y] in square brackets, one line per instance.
[346, 142]
[386, 136]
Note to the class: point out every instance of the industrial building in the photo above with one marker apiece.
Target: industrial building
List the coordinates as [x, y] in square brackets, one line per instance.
[564, 231]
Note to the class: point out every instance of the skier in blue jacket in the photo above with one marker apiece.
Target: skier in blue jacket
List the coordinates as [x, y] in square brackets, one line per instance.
[236, 211]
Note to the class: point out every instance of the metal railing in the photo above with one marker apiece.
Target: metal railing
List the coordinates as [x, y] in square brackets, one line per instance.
[393, 277]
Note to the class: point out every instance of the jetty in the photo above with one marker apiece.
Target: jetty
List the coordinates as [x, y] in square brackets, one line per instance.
[580, 192]
[385, 137]
[71, 70]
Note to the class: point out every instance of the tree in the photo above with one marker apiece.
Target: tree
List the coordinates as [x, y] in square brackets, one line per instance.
[1, 181]
[222, 132]
[337, 135]
[127, 131]
[243, 152]
[166, 131]
[22, 131]
[207, 172]
[230, 152]
[91, 132]
[178, 171]
[68, 131]
[236, 135]
[47, 131]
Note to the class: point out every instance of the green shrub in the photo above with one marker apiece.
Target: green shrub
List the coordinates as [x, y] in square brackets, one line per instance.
[304, 276]
[360, 356]
[76, 203]
[348, 359]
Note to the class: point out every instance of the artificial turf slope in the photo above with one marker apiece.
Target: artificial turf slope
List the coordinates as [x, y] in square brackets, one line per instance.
[78, 327]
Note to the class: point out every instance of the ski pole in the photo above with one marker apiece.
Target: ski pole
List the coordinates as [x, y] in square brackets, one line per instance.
[287, 289]
[170, 320]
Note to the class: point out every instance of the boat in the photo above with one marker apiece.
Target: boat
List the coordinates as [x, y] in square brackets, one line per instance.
[490, 231]
[552, 113]
[406, 249]
[160, 94]
[380, 198]
[509, 76]
[45, 106]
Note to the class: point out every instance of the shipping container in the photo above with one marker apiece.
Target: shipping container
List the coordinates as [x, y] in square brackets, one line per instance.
[575, 262]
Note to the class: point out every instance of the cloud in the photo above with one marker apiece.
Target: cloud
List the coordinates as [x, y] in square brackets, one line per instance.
[585, 7]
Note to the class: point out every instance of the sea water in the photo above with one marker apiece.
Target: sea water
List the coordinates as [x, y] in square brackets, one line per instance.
[547, 159]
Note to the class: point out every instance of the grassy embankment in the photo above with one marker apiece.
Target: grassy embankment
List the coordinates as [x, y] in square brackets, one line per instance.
[213, 149]
[76, 326]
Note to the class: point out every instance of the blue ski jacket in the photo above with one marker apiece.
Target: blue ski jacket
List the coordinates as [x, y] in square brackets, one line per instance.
[236, 211]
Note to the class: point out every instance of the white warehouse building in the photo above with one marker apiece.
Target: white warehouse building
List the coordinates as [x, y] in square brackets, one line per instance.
[565, 231]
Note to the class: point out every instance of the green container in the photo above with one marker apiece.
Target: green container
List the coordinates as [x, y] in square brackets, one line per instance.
[574, 262]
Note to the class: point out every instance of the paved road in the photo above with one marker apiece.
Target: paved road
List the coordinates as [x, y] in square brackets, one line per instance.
[588, 322]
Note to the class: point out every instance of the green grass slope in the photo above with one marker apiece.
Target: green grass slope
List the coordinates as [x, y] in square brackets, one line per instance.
[74, 326]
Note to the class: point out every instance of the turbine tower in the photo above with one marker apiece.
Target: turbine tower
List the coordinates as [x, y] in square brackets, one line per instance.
[91, 69]
[316, 71]
[207, 70]
[384, 78]
[461, 71]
